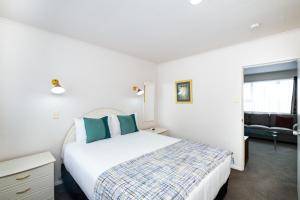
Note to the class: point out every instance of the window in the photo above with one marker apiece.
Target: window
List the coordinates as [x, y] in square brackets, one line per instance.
[268, 96]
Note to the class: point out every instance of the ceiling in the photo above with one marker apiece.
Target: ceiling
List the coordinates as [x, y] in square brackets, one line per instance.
[157, 30]
[276, 67]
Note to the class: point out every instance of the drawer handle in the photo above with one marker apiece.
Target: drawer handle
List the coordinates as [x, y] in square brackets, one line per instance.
[24, 191]
[22, 178]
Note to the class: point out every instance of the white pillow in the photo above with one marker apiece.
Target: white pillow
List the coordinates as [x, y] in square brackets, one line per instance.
[136, 120]
[80, 131]
[114, 126]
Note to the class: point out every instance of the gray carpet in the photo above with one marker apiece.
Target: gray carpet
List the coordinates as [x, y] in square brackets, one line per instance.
[269, 175]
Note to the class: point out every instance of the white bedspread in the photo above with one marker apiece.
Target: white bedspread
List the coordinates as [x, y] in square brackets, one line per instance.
[86, 162]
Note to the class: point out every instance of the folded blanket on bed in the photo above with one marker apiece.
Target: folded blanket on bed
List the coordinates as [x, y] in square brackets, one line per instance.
[168, 173]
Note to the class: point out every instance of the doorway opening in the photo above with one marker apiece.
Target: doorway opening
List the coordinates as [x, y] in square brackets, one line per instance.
[270, 129]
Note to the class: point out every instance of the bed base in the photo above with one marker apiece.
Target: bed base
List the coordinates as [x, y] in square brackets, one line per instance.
[222, 192]
[71, 186]
[77, 194]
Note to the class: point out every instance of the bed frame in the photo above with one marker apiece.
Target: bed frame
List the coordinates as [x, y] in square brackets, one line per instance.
[98, 113]
[70, 184]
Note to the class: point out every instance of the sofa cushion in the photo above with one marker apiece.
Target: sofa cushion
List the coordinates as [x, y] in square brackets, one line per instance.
[273, 118]
[260, 119]
[284, 121]
[247, 118]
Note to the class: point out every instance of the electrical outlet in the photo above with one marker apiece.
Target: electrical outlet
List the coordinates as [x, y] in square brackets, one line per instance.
[55, 115]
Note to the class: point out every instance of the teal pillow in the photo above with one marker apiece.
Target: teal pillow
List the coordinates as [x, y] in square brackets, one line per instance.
[127, 124]
[96, 129]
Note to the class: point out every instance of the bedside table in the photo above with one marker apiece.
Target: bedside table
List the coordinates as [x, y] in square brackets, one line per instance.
[246, 139]
[28, 178]
[158, 130]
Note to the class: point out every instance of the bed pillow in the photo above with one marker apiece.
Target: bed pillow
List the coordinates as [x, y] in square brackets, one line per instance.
[127, 124]
[284, 122]
[114, 126]
[96, 129]
[80, 131]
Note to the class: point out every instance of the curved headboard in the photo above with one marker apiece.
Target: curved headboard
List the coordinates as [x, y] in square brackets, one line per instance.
[98, 113]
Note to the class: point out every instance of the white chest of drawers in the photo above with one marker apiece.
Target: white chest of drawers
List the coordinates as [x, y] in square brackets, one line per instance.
[28, 178]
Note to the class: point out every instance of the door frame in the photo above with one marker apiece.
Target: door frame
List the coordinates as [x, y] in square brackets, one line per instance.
[242, 107]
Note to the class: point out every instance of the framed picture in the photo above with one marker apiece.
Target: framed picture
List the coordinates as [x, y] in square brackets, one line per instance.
[184, 92]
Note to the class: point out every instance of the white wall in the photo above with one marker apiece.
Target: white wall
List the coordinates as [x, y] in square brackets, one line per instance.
[93, 77]
[216, 113]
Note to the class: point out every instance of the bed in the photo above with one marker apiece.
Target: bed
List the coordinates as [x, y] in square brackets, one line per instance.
[83, 163]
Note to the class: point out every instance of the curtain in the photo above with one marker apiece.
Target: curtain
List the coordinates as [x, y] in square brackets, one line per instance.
[294, 98]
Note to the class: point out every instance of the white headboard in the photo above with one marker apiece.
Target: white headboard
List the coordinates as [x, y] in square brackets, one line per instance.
[98, 113]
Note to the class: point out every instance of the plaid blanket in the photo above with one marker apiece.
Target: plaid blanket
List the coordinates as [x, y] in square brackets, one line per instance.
[168, 173]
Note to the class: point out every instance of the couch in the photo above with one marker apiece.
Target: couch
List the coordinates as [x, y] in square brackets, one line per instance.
[261, 125]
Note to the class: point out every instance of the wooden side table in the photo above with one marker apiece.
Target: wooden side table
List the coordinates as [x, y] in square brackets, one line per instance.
[246, 139]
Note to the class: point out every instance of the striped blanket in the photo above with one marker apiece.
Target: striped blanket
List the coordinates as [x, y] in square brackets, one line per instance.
[168, 173]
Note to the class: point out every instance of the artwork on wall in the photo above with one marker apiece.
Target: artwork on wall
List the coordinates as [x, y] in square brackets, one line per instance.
[184, 92]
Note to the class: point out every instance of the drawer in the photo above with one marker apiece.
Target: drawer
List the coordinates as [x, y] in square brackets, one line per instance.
[46, 194]
[31, 188]
[26, 176]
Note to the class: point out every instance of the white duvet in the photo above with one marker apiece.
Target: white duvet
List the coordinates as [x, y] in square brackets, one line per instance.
[85, 162]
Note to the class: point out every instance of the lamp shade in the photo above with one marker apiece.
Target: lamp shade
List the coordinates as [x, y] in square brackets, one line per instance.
[57, 88]
[138, 91]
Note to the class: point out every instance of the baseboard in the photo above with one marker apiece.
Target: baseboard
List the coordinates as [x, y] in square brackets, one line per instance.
[58, 182]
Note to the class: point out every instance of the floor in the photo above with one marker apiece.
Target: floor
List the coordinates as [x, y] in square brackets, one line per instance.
[269, 174]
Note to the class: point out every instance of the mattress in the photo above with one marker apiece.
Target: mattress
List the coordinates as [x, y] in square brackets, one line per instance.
[85, 162]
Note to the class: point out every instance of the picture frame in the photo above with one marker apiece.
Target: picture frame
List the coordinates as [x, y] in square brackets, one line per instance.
[184, 91]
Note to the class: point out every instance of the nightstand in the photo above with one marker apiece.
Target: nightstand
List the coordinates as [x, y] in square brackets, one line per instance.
[246, 139]
[28, 178]
[158, 130]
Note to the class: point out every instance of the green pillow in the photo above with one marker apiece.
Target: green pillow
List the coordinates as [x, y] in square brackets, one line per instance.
[96, 129]
[127, 124]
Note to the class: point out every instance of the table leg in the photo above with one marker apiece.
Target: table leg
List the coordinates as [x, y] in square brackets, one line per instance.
[275, 142]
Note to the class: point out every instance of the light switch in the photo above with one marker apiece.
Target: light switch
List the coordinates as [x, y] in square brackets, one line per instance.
[56, 115]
